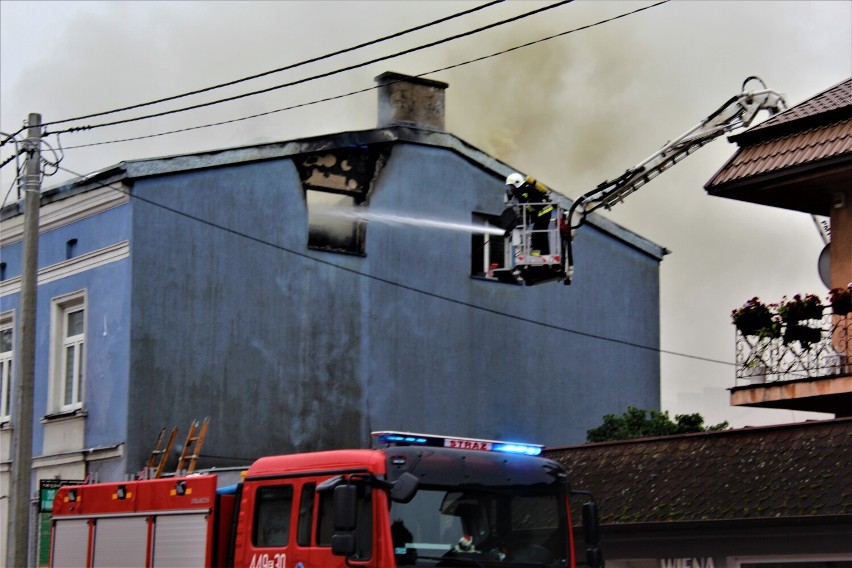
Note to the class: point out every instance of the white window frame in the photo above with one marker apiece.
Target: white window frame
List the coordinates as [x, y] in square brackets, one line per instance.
[62, 307]
[481, 251]
[7, 323]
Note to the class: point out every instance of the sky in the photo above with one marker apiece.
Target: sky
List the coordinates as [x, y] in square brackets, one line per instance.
[573, 111]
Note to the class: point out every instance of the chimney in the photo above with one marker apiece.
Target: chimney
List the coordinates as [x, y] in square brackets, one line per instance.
[410, 101]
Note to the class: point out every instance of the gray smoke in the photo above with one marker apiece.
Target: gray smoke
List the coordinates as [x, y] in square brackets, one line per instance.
[573, 111]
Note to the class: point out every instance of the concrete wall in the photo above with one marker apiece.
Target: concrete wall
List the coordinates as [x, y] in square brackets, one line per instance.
[286, 353]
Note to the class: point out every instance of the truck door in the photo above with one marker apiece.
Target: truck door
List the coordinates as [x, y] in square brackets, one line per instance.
[364, 536]
[270, 511]
[70, 543]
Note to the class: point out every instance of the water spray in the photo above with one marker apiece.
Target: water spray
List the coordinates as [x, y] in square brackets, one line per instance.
[393, 219]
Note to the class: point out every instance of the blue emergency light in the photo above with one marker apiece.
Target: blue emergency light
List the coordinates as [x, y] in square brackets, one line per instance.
[410, 439]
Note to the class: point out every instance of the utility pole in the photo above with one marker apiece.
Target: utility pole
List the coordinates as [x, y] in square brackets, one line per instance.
[18, 536]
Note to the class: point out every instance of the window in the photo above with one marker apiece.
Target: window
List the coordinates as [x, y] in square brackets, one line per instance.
[488, 248]
[528, 525]
[6, 335]
[69, 343]
[306, 514]
[331, 225]
[70, 249]
[336, 183]
[272, 516]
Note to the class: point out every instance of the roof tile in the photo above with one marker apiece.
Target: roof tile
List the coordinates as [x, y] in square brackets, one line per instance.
[778, 471]
[815, 130]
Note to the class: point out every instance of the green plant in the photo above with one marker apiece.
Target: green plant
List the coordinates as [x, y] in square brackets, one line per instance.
[638, 423]
[756, 318]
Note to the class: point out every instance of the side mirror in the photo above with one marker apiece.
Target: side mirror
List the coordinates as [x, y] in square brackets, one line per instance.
[404, 488]
[345, 504]
[591, 523]
[343, 544]
[329, 483]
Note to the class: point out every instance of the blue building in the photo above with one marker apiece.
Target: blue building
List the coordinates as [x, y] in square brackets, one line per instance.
[212, 284]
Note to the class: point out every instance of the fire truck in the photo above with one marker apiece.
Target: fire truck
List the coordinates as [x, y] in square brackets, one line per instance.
[409, 500]
[523, 265]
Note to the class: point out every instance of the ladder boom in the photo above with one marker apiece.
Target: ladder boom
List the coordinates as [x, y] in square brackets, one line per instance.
[738, 112]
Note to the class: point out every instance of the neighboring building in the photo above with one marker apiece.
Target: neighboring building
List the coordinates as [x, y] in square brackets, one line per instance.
[747, 498]
[211, 284]
[753, 497]
[801, 160]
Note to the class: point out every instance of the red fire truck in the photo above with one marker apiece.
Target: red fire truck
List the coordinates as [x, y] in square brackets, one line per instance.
[412, 500]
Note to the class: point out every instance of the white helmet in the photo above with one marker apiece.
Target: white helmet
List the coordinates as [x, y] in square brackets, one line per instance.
[515, 179]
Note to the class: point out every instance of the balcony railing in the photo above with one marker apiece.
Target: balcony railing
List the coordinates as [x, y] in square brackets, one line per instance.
[797, 353]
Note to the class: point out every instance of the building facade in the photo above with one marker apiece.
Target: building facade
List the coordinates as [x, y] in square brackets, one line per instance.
[800, 160]
[773, 496]
[229, 285]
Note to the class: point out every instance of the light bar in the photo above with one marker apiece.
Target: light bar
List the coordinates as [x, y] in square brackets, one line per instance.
[411, 439]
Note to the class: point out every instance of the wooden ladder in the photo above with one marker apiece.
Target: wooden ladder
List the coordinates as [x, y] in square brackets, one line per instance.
[192, 447]
[159, 456]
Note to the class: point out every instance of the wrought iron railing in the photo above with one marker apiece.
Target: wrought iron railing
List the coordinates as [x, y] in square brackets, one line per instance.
[796, 353]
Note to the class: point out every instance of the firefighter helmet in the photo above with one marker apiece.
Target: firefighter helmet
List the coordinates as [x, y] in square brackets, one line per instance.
[515, 179]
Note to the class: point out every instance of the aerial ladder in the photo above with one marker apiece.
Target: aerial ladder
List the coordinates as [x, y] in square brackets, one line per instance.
[525, 267]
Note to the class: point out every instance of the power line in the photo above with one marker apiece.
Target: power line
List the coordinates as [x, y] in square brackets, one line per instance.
[364, 90]
[314, 77]
[285, 68]
[394, 283]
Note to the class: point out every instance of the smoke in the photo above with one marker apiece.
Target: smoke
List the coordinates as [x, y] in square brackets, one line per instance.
[573, 112]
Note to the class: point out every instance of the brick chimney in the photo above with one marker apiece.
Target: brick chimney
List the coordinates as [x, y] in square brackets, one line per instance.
[410, 101]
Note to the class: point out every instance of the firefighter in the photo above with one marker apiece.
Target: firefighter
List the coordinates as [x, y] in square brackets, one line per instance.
[535, 196]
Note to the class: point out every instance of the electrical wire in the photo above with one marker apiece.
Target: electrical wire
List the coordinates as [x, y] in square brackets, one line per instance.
[394, 283]
[11, 187]
[9, 137]
[313, 77]
[371, 88]
[9, 159]
[58, 157]
[285, 68]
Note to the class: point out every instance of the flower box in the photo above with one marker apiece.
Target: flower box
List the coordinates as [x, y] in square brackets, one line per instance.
[755, 318]
[805, 335]
[800, 309]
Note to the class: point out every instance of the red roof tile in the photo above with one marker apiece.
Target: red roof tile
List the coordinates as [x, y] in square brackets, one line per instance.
[794, 160]
[794, 150]
[836, 97]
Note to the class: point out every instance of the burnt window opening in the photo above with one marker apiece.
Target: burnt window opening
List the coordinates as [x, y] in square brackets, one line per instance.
[331, 222]
[336, 184]
[488, 251]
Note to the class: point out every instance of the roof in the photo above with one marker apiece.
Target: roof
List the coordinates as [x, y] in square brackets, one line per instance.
[143, 168]
[782, 472]
[795, 159]
[832, 99]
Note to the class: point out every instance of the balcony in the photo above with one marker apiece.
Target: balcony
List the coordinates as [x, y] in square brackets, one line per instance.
[794, 360]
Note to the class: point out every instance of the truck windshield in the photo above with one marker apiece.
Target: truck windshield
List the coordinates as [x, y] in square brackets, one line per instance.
[479, 527]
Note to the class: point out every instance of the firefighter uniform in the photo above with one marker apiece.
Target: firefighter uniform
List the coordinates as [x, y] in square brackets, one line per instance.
[535, 197]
